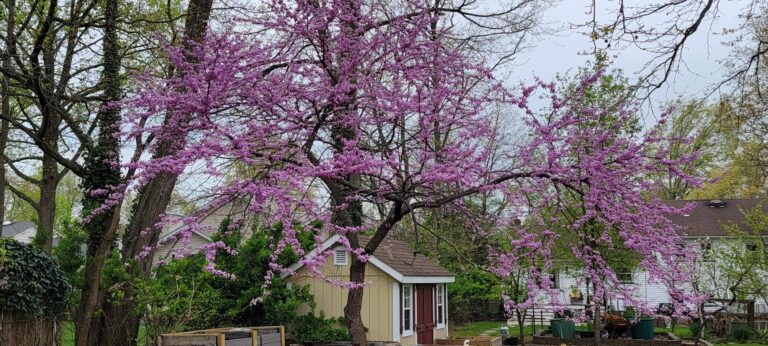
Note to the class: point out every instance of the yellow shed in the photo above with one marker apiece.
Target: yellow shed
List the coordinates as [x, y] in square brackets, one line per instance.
[405, 299]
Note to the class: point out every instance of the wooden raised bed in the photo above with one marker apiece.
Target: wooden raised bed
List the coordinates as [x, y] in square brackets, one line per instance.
[473, 341]
[248, 336]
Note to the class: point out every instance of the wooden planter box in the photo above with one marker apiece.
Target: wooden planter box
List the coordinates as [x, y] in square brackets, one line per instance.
[249, 336]
[473, 341]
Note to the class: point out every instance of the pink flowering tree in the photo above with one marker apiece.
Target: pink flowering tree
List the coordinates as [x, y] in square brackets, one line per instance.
[333, 107]
[597, 195]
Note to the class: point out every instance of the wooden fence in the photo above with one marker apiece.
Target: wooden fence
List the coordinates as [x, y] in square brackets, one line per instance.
[250, 336]
[22, 329]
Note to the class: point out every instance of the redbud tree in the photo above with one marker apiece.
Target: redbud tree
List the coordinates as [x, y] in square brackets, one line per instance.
[327, 107]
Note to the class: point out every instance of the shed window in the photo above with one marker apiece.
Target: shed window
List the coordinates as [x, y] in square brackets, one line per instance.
[340, 256]
[407, 309]
[440, 305]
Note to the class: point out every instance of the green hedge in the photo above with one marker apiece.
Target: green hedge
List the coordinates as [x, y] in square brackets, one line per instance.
[31, 281]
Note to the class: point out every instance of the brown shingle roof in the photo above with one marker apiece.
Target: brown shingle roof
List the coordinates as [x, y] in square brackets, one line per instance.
[706, 220]
[400, 256]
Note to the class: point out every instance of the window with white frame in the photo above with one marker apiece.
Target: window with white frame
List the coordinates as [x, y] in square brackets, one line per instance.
[440, 306]
[407, 309]
[340, 256]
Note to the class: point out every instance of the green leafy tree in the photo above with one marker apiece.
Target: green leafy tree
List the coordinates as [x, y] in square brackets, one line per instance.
[181, 295]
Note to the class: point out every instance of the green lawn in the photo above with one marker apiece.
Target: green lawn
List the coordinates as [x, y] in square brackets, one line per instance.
[476, 328]
[682, 332]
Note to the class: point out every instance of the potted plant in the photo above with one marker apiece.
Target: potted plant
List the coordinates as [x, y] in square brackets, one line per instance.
[575, 294]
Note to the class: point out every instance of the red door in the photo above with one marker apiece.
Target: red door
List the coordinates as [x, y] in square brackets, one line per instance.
[425, 316]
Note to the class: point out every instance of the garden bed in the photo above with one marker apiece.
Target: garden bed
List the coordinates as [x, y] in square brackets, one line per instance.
[660, 339]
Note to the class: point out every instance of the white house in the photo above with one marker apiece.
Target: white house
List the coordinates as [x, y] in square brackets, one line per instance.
[704, 228]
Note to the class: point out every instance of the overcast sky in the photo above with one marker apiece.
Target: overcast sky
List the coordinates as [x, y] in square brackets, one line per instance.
[558, 52]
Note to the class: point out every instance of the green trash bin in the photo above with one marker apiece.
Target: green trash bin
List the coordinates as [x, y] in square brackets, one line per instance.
[643, 329]
[629, 314]
[562, 328]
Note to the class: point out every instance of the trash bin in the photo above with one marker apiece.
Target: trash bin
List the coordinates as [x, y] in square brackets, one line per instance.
[643, 329]
[562, 328]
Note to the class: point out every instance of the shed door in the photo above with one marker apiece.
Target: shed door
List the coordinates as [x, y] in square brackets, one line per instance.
[425, 320]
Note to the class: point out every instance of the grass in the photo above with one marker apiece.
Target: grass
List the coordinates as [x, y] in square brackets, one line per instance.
[682, 331]
[476, 328]
[68, 335]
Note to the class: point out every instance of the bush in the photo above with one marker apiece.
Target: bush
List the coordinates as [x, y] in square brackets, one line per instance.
[741, 333]
[695, 328]
[31, 281]
[182, 296]
[313, 329]
[474, 296]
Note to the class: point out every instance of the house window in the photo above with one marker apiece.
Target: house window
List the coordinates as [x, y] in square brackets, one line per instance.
[751, 247]
[624, 276]
[407, 309]
[706, 252]
[555, 278]
[340, 256]
[440, 306]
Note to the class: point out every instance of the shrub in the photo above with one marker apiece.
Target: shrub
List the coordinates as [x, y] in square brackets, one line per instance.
[741, 333]
[31, 281]
[474, 296]
[695, 328]
[182, 296]
[313, 329]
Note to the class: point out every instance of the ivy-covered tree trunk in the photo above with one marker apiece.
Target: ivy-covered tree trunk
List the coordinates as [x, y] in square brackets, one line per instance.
[121, 317]
[101, 173]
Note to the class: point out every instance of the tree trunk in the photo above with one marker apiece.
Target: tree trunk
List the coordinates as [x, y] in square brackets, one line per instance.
[597, 319]
[355, 304]
[10, 49]
[49, 131]
[357, 274]
[46, 213]
[120, 317]
[521, 325]
[101, 174]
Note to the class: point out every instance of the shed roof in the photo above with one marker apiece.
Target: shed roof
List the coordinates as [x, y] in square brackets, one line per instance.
[707, 218]
[403, 258]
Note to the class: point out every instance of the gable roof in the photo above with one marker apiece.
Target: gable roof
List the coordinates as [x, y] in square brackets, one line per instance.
[206, 216]
[16, 228]
[707, 218]
[396, 258]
